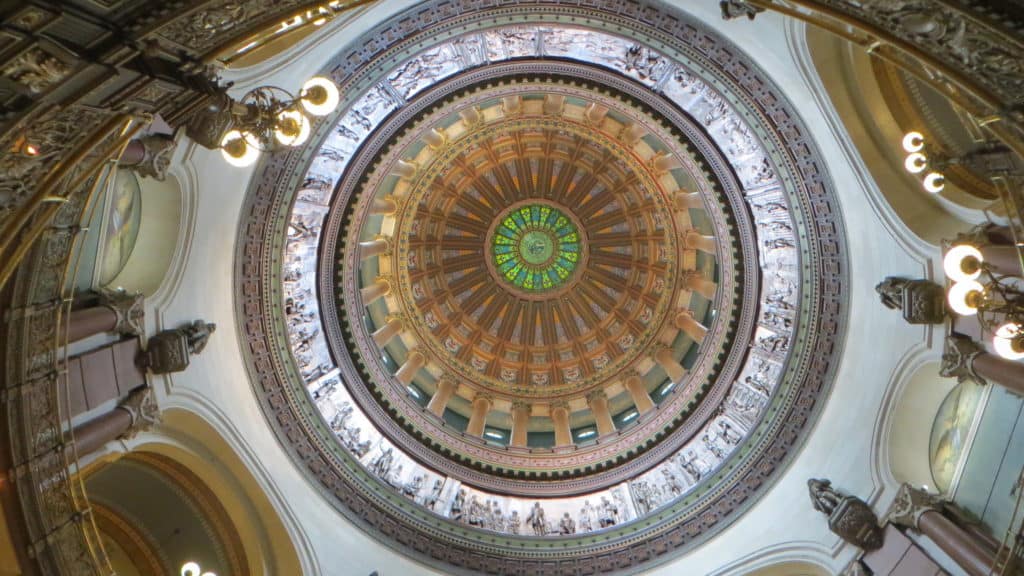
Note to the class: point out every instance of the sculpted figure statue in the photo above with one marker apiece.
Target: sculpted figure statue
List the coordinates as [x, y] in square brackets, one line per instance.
[823, 496]
[412, 488]
[536, 520]
[890, 292]
[198, 334]
[514, 522]
[381, 465]
[476, 512]
[609, 513]
[460, 500]
[435, 494]
[566, 525]
[587, 515]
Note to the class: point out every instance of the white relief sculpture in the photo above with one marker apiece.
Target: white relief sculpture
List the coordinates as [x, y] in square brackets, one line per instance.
[746, 401]
[587, 517]
[425, 70]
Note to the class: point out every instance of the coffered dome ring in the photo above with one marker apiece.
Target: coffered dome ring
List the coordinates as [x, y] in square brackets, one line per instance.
[794, 191]
[665, 252]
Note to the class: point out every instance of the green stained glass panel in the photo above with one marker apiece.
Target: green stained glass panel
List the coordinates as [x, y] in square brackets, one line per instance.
[536, 247]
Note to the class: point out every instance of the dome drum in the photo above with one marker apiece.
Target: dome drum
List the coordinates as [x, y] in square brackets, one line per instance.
[663, 375]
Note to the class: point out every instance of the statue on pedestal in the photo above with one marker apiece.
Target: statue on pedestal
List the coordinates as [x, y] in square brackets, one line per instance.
[170, 350]
[922, 301]
[849, 517]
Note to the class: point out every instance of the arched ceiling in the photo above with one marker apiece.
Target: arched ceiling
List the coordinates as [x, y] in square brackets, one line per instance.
[437, 143]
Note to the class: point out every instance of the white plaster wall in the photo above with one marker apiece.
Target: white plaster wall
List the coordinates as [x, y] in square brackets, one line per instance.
[782, 526]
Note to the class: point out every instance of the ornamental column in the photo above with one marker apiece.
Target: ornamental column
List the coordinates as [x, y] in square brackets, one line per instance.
[383, 206]
[435, 138]
[389, 330]
[373, 248]
[406, 169]
[964, 358]
[695, 281]
[412, 365]
[688, 200]
[478, 419]
[149, 156]
[1003, 259]
[135, 413]
[90, 321]
[598, 402]
[685, 321]
[560, 416]
[635, 386]
[520, 422]
[667, 360]
[920, 511]
[117, 312]
[381, 287]
[439, 401]
[694, 240]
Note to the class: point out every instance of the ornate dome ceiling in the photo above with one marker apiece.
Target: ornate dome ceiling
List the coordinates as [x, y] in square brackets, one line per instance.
[538, 281]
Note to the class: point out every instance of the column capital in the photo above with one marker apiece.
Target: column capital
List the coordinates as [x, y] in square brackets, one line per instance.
[394, 317]
[559, 405]
[910, 504]
[155, 151]
[630, 374]
[141, 405]
[594, 395]
[483, 396]
[129, 308]
[958, 357]
[518, 405]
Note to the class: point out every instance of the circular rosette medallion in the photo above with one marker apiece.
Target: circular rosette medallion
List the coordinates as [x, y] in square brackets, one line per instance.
[535, 248]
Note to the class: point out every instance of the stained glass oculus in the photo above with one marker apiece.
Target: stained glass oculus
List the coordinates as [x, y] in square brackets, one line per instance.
[536, 247]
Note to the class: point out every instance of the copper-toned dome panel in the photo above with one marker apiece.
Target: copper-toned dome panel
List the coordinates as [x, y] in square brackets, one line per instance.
[605, 270]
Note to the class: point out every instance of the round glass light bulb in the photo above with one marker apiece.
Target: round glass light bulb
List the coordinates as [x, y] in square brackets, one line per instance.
[292, 128]
[319, 96]
[915, 163]
[237, 149]
[962, 262]
[934, 182]
[963, 297]
[913, 141]
[1009, 341]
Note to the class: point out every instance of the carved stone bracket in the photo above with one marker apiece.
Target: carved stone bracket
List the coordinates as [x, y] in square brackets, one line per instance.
[130, 310]
[958, 359]
[849, 517]
[141, 404]
[922, 301]
[910, 504]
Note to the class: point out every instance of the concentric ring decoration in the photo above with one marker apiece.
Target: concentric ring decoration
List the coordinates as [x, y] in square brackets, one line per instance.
[535, 248]
[315, 389]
